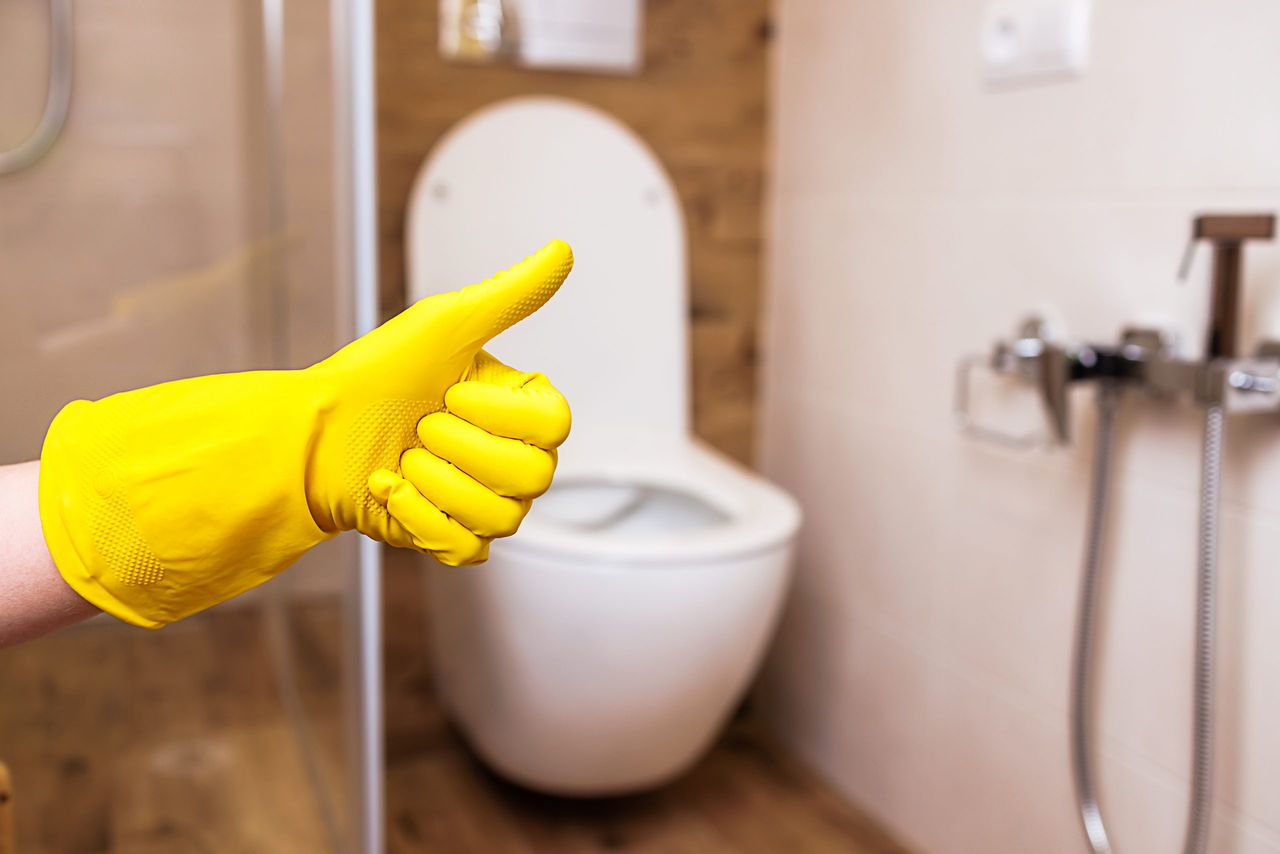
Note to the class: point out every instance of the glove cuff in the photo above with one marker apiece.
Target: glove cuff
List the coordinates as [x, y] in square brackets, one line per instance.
[164, 501]
[75, 556]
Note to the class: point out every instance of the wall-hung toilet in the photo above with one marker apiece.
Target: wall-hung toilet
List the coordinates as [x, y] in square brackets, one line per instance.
[601, 648]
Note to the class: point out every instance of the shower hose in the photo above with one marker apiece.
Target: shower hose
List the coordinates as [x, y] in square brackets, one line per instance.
[1197, 831]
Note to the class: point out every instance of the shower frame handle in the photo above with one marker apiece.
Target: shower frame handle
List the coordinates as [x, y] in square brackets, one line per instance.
[57, 102]
[1227, 233]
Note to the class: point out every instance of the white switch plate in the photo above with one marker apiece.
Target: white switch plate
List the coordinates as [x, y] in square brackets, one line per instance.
[1034, 40]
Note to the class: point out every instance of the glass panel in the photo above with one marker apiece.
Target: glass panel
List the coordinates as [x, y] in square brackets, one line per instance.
[182, 224]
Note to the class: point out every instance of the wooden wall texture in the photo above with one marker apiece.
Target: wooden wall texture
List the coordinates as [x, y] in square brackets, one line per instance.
[699, 102]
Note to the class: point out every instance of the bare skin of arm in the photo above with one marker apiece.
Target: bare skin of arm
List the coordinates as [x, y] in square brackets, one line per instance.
[34, 600]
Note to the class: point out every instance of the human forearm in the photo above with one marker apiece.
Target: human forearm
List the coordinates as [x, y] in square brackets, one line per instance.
[34, 599]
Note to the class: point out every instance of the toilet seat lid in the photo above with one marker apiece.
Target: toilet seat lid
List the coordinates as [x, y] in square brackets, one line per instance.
[514, 175]
[647, 502]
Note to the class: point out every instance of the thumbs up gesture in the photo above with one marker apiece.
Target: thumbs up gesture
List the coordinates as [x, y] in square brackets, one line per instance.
[163, 501]
[443, 447]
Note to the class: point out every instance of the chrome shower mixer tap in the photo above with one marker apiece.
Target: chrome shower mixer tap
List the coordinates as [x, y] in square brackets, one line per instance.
[1051, 367]
[1143, 358]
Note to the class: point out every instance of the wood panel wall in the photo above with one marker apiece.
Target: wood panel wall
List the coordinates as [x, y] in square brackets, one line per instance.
[699, 102]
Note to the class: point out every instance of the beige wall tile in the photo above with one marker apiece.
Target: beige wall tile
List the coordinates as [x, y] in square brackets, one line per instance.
[915, 216]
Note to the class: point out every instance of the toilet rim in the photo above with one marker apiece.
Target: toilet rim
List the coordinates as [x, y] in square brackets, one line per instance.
[761, 516]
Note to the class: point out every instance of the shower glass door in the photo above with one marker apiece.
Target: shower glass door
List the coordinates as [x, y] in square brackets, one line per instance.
[189, 218]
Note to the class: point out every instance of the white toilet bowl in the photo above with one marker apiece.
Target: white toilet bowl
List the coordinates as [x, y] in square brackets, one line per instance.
[601, 648]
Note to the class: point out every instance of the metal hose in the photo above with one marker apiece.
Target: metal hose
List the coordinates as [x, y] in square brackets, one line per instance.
[1095, 830]
[1086, 623]
[1197, 839]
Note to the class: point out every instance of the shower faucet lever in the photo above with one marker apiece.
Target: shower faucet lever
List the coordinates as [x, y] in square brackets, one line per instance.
[1244, 381]
[1033, 356]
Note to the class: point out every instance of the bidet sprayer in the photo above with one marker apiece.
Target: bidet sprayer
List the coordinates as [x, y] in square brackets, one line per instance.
[1227, 234]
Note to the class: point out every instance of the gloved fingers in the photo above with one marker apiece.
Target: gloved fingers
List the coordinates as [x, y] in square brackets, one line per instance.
[393, 534]
[506, 402]
[497, 304]
[429, 528]
[509, 467]
[461, 496]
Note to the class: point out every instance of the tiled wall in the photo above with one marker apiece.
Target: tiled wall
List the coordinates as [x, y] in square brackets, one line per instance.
[923, 660]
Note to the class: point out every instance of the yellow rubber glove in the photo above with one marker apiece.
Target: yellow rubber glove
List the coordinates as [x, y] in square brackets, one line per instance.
[160, 502]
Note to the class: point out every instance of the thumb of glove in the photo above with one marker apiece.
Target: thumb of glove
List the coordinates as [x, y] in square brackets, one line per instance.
[422, 351]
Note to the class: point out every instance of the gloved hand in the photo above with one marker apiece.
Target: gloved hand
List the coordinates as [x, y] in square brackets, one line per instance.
[160, 502]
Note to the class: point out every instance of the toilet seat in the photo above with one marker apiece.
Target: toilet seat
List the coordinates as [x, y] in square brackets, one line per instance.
[520, 172]
[756, 516]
